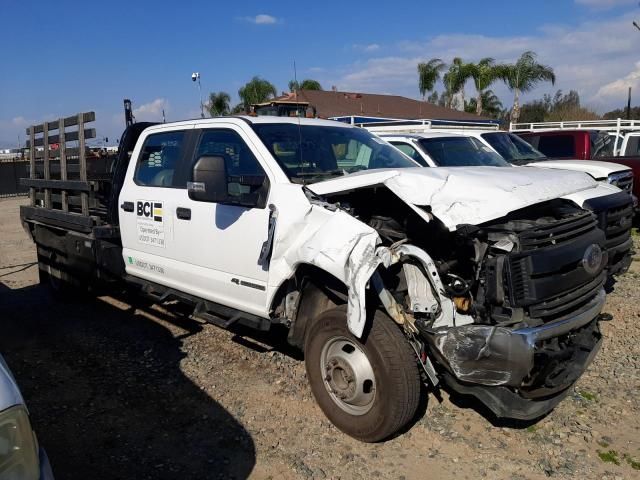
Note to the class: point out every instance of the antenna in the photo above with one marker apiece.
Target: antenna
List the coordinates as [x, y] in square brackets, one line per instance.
[295, 79]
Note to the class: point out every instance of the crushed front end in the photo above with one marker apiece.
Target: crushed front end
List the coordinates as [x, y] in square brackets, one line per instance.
[509, 311]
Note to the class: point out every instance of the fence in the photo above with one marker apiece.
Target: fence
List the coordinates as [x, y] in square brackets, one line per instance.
[11, 170]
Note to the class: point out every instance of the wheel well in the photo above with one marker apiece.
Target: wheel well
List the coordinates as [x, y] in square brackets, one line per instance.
[318, 290]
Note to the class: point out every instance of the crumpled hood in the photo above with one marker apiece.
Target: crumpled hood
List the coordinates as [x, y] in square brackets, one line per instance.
[593, 167]
[465, 195]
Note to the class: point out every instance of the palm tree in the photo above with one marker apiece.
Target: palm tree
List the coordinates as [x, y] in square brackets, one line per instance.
[218, 104]
[429, 74]
[491, 104]
[523, 76]
[307, 84]
[484, 73]
[455, 78]
[256, 90]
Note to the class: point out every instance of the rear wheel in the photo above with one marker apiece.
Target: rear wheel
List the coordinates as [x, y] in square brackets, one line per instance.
[369, 388]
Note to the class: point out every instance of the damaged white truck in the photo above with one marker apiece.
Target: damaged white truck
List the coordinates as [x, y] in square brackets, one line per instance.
[390, 277]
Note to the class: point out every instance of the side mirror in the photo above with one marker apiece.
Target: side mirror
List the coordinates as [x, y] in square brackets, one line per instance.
[209, 180]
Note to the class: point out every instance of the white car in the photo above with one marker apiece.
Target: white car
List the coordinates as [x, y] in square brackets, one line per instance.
[21, 458]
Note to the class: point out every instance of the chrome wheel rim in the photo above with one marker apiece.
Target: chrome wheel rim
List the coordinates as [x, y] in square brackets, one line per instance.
[348, 375]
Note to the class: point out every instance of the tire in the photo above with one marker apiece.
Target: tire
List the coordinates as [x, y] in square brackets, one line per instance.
[369, 388]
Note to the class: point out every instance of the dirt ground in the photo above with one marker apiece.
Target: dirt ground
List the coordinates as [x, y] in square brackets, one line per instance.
[121, 388]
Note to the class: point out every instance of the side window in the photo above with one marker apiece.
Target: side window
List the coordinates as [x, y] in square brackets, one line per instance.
[633, 146]
[159, 159]
[557, 146]
[244, 172]
[410, 151]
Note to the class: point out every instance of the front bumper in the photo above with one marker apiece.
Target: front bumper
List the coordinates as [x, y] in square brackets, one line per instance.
[519, 373]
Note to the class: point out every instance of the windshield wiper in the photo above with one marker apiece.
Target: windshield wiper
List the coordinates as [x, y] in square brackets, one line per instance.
[524, 161]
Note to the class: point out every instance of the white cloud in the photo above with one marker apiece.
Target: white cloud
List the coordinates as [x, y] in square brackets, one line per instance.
[151, 111]
[618, 88]
[605, 4]
[19, 121]
[261, 19]
[588, 57]
[372, 47]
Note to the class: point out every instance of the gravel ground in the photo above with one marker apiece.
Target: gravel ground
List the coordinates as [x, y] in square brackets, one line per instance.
[121, 388]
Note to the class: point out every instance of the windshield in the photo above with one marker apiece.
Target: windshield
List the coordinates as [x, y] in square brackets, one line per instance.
[312, 153]
[512, 148]
[461, 152]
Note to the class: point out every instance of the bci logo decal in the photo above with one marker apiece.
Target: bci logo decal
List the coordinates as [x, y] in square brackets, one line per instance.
[148, 209]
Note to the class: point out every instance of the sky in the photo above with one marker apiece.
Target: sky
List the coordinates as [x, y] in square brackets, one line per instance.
[84, 55]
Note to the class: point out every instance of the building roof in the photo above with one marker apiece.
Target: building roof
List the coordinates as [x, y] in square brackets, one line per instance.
[328, 103]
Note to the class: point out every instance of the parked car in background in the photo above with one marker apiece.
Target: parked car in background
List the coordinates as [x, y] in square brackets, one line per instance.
[21, 458]
[586, 145]
[612, 207]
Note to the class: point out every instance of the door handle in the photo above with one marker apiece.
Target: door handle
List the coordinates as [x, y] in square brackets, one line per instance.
[127, 206]
[183, 213]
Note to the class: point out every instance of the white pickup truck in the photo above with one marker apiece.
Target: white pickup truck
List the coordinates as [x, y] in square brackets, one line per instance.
[388, 276]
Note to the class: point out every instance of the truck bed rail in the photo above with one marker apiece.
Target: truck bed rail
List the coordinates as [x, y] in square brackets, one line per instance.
[60, 190]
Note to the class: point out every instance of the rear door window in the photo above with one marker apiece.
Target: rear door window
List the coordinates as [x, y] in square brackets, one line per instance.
[159, 160]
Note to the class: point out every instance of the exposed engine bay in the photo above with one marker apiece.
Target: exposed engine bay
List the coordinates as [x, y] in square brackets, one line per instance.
[511, 304]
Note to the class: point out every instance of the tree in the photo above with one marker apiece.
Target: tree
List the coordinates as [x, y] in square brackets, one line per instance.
[433, 98]
[218, 104]
[622, 113]
[454, 80]
[484, 73]
[558, 108]
[491, 104]
[429, 74]
[257, 90]
[523, 76]
[307, 84]
[310, 84]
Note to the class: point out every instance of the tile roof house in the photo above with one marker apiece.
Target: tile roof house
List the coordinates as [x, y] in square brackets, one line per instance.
[331, 104]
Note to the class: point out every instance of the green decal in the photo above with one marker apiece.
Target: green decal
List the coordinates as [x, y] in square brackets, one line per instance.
[130, 261]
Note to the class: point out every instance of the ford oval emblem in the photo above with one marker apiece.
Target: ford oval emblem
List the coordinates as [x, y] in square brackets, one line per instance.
[592, 259]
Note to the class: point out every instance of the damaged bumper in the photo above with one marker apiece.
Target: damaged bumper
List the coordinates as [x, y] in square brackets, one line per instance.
[519, 373]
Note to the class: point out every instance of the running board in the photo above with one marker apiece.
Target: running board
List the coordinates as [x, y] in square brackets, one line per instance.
[214, 313]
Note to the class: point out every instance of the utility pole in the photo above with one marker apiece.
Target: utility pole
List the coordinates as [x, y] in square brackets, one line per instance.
[629, 105]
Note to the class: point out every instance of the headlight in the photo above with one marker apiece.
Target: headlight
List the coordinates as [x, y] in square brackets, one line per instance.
[622, 180]
[18, 449]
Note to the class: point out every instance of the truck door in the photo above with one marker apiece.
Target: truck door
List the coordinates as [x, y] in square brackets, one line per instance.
[151, 190]
[219, 245]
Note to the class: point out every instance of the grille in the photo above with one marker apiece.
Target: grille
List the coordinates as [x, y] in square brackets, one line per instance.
[615, 223]
[624, 181]
[558, 232]
[547, 277]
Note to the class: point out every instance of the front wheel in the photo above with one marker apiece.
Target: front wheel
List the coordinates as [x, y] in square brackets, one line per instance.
[370, 387]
